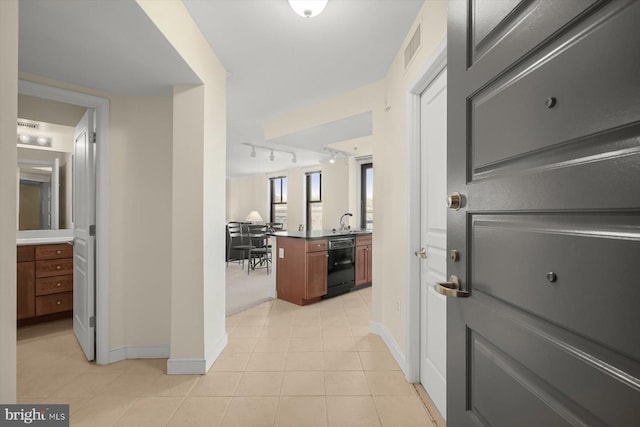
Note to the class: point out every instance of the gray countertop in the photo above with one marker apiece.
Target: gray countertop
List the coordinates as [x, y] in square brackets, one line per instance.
[320, 234]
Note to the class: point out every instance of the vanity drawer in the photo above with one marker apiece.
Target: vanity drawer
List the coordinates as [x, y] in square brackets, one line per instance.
[54, 303]
[54, 251]
[54, 285]
[56, 267]
[316, 245]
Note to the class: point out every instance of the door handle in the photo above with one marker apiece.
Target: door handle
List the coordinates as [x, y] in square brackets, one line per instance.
[451, 288]
[422, 253]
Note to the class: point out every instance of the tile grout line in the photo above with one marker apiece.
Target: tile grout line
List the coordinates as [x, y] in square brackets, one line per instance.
[175, 411]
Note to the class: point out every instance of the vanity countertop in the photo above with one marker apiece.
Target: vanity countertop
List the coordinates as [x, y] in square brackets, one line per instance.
[43, 237]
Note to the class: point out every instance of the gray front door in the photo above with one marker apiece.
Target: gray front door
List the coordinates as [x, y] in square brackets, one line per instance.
[544, 147]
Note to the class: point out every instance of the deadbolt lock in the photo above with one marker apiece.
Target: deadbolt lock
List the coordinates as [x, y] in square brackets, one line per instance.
[454, 255]
[454, 201]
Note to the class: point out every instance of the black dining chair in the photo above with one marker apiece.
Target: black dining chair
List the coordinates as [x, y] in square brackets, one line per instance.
[238, 241]
[259, 251]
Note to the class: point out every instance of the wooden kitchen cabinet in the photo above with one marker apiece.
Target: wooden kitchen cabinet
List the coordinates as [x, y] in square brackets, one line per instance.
[363, 260]
[316, 275]
[301, 273]
[44, 281]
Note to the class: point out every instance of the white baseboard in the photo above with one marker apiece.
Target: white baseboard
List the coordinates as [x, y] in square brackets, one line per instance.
[186, 366]
[139, 352]
[197, 366]
[392, 345]
[117, 354]
[215, 351]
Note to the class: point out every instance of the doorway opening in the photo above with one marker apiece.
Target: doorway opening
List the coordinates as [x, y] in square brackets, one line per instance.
[96, 303]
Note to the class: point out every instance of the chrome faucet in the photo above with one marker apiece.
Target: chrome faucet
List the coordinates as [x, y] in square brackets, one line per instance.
[343, 226]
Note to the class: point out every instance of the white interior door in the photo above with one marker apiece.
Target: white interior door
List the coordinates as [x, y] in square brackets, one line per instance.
[84, 234]
[433, 238]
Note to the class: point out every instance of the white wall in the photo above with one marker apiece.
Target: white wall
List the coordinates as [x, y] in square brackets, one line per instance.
[199, 152]
[46, 110]
[391, 177]
[335, 194]
[8, 219]
[140, 212]
[245, 195]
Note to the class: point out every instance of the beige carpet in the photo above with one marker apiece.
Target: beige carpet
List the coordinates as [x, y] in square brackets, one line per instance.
[246, 291]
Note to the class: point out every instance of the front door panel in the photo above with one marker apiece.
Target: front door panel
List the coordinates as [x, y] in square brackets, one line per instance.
[544, 145]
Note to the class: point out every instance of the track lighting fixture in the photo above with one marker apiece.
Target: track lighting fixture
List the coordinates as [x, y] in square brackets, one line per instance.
[272, 151]
[337, 153]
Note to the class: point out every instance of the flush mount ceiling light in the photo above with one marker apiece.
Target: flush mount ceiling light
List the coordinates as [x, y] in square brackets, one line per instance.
[308, 8]
[40, 141]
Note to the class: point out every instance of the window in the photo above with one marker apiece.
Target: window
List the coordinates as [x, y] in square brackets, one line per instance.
[366, 196]
[279, 200]
[314, 201]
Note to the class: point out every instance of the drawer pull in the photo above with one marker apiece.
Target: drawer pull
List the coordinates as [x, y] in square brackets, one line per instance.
[57, 267]
[58, 252]
[58, 284]
[58, 302]
[550, 102]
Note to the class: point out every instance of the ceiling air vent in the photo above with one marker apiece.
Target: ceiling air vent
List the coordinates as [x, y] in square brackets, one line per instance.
[412, 47]
[28, 125]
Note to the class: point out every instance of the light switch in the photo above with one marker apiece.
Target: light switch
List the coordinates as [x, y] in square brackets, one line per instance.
[280, 252]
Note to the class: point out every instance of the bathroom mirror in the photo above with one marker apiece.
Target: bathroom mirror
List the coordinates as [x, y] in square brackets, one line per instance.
[44, 189]
[44, 176]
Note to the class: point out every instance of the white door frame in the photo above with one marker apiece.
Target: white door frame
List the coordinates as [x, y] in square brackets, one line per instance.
[101, 105]
[426, 76]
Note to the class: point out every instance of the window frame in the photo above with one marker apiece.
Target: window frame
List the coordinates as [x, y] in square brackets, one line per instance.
[309, 201]
[272, 202]
[363, 193]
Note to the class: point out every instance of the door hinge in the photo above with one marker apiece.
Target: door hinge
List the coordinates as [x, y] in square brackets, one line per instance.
[94, 137]
[92, 321]
[92, 230]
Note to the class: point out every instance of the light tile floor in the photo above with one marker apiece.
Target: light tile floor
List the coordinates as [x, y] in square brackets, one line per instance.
[284, 366]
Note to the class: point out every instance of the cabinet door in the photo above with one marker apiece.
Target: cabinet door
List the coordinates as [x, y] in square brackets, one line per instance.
[369, 263]
[361, 265]
[316, 274]
[26, 290]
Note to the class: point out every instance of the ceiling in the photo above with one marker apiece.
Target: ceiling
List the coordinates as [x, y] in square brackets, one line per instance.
[276, 60]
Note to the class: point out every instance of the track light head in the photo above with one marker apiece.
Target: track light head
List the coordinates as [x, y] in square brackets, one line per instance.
[253, 151]
[272, 157]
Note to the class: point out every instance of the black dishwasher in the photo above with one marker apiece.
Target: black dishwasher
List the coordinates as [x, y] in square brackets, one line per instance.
[341, 271]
